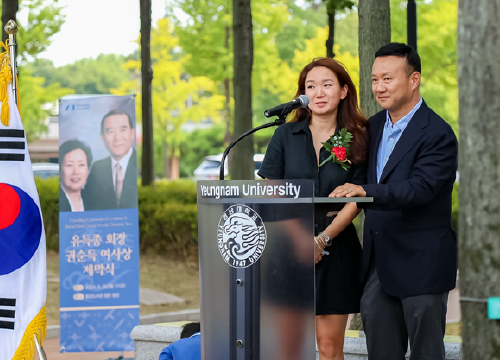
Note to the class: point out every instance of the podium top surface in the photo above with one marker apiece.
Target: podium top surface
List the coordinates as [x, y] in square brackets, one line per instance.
[266, 192]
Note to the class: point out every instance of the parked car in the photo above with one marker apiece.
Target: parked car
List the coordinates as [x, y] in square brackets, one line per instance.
[45, 170]
[209, 169]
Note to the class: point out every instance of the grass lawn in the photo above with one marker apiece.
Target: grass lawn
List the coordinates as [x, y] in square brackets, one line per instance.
[175, 276]
[454, 329]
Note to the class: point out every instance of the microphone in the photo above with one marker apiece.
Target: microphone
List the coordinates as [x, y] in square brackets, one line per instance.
[283, 109]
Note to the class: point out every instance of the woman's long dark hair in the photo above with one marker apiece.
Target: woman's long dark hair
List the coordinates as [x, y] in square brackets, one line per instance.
[349, 115]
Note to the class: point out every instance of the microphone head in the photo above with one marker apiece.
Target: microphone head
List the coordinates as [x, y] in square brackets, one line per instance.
[304, 100]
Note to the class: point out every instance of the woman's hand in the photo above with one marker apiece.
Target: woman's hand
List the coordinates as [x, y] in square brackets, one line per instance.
[318, 253]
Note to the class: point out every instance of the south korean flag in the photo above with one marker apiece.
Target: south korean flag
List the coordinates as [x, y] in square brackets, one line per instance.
[23, 277]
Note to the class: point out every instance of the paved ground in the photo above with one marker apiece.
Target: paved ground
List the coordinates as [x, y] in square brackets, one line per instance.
[51, 346]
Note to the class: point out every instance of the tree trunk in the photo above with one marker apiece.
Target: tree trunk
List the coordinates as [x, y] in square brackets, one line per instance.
[166, 161]
[174, 167]
[479, 196]
[411, 24]
[331, 35]
[374, 32]
[148, 168]
[243, 166]
[9, 10]
[227, 93]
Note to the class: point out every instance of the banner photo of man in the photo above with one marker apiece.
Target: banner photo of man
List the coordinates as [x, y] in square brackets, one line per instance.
[98, 223]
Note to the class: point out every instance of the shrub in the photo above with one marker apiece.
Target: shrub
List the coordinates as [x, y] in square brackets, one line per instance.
[170, 226]
[167, 215]
[178, 191]
[48, 192]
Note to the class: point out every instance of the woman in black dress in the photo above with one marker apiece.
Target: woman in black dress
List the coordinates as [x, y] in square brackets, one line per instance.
[295, 152]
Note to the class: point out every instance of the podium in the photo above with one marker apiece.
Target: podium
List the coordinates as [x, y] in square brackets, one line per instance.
[256, 254]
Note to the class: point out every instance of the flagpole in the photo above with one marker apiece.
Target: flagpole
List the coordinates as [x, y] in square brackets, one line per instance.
[11, 29]
[39, 348]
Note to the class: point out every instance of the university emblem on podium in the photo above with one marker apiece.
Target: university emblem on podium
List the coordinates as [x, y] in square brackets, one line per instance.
[241, 236]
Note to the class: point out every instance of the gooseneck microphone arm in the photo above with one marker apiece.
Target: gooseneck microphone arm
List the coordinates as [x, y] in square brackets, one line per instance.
[280, 120]
[281, 111]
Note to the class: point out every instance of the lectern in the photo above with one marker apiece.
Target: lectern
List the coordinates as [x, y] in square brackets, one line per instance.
[256, 254]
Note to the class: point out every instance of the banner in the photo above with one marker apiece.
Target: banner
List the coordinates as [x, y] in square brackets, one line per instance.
[23, 279]
[98, 223]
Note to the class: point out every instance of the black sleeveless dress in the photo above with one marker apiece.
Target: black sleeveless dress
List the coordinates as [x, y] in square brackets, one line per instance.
[291, 155]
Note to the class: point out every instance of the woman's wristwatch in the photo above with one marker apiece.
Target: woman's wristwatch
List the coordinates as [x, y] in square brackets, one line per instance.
[326, 238]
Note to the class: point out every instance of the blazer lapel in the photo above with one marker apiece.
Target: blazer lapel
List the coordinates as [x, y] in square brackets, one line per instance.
[109, 175]
[376, 125]
[410, 136]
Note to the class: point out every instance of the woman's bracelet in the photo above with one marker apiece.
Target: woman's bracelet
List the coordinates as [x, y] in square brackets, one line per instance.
[320, 242]
[326, 238]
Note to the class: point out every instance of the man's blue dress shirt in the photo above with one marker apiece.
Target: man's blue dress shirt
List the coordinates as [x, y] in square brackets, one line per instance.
[183, 349]
[390, 137]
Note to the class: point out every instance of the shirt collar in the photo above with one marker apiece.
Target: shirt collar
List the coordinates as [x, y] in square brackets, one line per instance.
[303, 126]
[123, 161]
[403, 122]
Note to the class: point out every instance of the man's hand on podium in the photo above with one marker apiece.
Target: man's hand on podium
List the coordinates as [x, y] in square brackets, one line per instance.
[348, 190]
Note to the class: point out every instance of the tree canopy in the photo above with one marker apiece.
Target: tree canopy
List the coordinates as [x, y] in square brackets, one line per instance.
[192, 54]
[178, 97]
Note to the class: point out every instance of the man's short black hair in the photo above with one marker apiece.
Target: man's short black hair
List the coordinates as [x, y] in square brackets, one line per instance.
[116, 112]
[190, 329]
[403, 51]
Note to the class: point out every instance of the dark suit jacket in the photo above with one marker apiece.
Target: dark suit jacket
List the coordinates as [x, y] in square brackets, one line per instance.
[100, 188]
[64, 203]
[408, 226]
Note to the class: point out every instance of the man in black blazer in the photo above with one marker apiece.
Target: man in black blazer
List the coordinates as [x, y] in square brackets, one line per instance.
[112, 182]
[410, 250]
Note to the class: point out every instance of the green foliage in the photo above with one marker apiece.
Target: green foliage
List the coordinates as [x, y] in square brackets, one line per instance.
[301, 25]
[177, 96]
[168, 227]
[167, 214]
[42, 83]
[204, 36]
[44, 20]
[85, 76]
[34, 93]
[179, 191]
[346, 32]
[200, 143]
[437, 46]
[333, 6]
[48, 192]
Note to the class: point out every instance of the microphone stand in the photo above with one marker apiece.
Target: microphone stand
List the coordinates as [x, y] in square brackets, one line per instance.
[279, 121]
